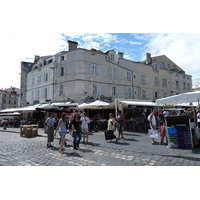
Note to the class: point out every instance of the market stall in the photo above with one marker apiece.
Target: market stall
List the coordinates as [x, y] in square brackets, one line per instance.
[179, 128]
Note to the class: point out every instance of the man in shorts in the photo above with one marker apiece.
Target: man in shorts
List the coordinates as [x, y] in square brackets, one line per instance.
[49, 123]
[84, 127]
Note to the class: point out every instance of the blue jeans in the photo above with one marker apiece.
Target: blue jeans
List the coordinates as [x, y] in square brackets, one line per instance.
[76, 142]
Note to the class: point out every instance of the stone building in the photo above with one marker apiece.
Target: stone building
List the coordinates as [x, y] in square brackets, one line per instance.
[83, 75]
[9, 98]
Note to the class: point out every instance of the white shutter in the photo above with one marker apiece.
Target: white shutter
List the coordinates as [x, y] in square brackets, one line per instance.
[65, 57]
[116, 57]
[58, 58]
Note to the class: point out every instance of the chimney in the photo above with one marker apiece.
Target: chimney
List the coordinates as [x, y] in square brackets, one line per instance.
[36, 58]
[72, 45]
[120, 54]
[148, 58]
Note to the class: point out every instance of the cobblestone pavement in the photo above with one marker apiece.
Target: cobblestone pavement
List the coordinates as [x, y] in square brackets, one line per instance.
[134, 150]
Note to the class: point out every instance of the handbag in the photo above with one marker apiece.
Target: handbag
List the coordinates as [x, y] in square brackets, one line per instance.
[153, 134]
[107, 137]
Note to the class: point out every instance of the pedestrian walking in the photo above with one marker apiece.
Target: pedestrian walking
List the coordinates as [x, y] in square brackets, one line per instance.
[49, 123]
[76, 128]
[120, 124]
[162, 131]
[84, 127]
[152, 123]
[62, 131]
[5, 123]
[198, 118]
[111, 127]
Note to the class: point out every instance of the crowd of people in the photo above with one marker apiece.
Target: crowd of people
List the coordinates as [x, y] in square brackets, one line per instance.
[78, 124]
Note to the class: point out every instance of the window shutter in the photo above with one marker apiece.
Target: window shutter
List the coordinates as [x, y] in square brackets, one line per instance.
[58, 72]
[98, 89]
[109, 72]
[65, 70]
[116, 74]
[91, 69]
[59, 59]
[98, 70]
[65, 57]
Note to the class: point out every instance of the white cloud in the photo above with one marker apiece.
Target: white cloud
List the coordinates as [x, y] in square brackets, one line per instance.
[15, 48]
[181, 48]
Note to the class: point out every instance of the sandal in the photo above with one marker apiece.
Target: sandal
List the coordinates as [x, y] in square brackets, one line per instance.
[60, 151]
[153, 143]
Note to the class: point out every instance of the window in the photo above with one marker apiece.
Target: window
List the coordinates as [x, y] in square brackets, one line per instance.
[164, 82]
[33, 81]
[143, 94]
[156, 81]
[188, 86]
[177, 86]
[45, 93]
[39, 79]
[46, 77]
[60, 89]
[95, 70]
[156, 67]
[163, 65]
[156, 95]
[9, 101]
[114, 91]
[168, 66]
[4, 100]
[184, 86]
[112, 57]
[61, 71]
[62, 58]
[128, 92]
[128, 75]
[143, 78]
[15, 102]
[164, 94]
[95, 89]
[112, 73]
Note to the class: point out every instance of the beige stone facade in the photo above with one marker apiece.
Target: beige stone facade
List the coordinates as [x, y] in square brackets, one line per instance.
[9, 99]
[86, 75]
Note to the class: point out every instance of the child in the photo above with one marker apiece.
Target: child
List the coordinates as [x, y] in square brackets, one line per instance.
[162, 132]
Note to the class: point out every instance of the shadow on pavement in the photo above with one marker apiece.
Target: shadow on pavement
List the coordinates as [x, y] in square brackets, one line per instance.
[121, 143]
[73, 154]
[133, 140]
[132, 134]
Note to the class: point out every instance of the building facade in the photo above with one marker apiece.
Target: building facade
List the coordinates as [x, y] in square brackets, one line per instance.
[82, 75]
[9, 98]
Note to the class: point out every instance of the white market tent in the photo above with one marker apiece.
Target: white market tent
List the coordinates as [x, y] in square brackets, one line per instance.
[180, 98]
[94, 105]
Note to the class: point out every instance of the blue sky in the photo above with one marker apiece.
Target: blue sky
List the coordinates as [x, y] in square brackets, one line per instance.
[43, 28]
[182, 48]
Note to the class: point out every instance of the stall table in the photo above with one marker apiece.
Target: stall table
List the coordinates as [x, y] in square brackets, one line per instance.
[29, 130]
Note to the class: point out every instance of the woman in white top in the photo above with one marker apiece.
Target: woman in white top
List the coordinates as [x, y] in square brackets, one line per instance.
[84, 127]
[152, 123]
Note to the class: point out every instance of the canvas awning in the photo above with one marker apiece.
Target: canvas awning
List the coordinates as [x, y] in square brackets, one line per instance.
[180, 98]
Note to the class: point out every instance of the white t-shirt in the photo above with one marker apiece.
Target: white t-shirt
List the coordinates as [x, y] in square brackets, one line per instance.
[85, 121]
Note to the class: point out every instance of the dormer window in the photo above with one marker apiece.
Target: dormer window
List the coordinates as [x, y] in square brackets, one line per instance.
[112, 57]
